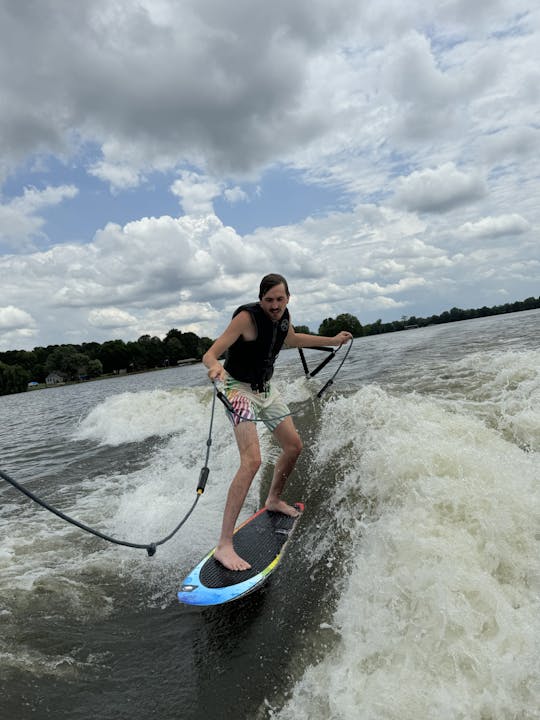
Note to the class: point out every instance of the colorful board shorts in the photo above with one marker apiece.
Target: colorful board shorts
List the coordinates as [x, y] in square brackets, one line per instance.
[250, 405]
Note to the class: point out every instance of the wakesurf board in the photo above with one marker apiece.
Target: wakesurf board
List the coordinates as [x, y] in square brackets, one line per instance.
[261, 540]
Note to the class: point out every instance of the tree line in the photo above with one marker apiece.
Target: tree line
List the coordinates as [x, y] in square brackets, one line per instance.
[91, 360]
[331, 326]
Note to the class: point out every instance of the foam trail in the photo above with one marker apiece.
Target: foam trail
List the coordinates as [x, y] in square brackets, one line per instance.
[136, 416]
[439, 617]
[504, 388]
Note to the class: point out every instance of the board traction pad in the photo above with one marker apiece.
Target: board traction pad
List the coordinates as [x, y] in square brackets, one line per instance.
[258, 542]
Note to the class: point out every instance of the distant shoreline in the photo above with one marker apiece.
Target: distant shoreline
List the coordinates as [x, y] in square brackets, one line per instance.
[108, 376]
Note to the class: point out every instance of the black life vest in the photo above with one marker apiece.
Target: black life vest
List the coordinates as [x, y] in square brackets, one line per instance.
[252, 361]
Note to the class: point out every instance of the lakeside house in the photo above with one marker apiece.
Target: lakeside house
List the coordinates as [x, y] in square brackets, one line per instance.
[55, 378]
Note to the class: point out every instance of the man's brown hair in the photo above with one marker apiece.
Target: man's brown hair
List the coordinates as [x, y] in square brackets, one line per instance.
[270, 281]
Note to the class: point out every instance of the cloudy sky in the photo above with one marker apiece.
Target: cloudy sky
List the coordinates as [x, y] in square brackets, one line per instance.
[159, 156]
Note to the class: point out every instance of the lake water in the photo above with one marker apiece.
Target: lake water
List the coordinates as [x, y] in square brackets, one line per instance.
[411, 586]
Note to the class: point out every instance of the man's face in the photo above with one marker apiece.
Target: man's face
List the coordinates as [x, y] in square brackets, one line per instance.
[274, 302]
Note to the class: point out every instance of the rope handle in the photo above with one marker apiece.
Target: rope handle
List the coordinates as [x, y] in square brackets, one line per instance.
[332, 351]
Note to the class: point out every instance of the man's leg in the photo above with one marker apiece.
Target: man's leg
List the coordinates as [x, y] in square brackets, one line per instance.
[291, 447]
[250, 461]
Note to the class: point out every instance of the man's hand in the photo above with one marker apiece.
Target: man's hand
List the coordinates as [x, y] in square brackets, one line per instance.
[217, 372]
[341, 338]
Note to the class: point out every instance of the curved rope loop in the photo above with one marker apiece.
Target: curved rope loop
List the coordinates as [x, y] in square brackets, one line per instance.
[149, 547]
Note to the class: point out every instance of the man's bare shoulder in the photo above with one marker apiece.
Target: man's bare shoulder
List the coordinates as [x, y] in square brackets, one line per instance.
[241, 326]
[244, 323]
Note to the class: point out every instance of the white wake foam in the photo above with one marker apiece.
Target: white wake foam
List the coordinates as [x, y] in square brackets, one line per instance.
[440, 616]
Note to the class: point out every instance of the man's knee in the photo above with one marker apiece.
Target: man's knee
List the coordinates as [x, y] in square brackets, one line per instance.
[289, 439]
[251, 462]
[294, 446]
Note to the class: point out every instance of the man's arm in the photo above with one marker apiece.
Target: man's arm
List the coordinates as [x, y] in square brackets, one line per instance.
[299, 340]
[238, 326]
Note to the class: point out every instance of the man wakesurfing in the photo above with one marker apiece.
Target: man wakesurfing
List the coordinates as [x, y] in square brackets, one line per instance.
[252, 340]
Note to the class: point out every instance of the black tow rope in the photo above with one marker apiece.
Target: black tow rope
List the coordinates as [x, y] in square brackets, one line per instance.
[324, 363]
[149, 547]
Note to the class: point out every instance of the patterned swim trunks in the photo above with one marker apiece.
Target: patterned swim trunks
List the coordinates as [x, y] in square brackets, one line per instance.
[250, 405]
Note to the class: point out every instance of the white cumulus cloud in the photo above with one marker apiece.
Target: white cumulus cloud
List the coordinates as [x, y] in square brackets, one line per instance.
[502, 225]
[438, 190]
[111, 318]
[13, 318]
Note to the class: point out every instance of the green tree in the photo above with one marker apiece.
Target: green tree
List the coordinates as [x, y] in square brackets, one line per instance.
[38, 369]
[191, 345]
[373, 329]
[153, 351]
[68, 360]
[529, 303]
[444, 317]
[91, 349]
[13, 379]
[457, 314]
[174, 350]
[137, 358]
[114, 356]
[94, 368]
[302, 329]
[173, 333]
[330, 327]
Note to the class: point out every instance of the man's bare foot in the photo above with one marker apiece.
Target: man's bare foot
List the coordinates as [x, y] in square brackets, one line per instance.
[227, 556]
[282, 507]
